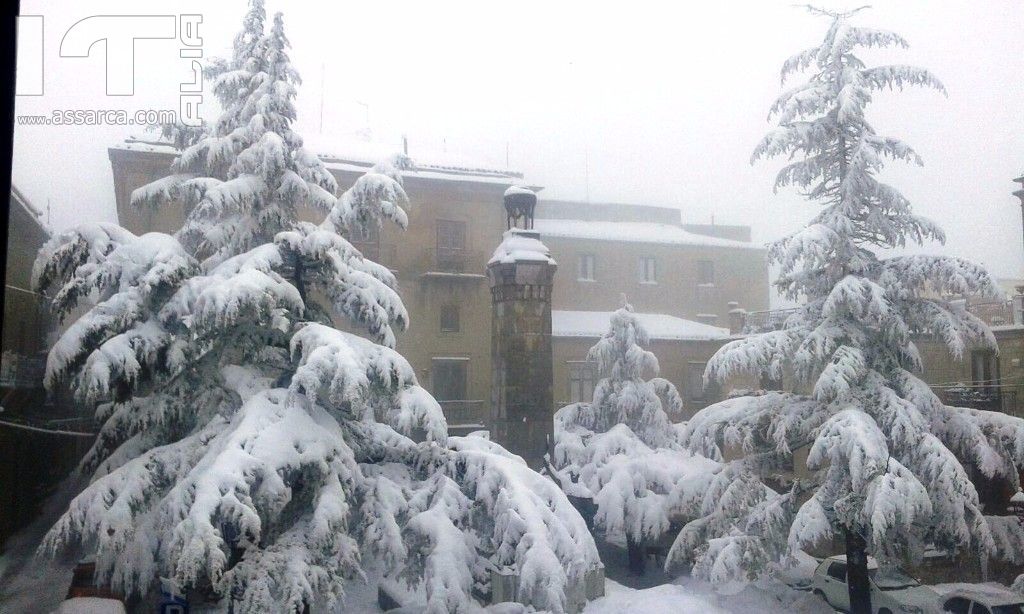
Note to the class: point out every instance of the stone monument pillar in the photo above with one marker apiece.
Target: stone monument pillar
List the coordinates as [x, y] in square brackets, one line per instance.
[520, 274]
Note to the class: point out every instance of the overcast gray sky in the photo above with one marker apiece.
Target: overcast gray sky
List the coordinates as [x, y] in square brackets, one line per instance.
[629, 102]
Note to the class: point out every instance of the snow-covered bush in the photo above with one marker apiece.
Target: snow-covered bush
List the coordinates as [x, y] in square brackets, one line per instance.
[620, 448]
[247, 447]
[886, 456]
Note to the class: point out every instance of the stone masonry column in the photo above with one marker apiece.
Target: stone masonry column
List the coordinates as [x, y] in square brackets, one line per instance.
[520, 275]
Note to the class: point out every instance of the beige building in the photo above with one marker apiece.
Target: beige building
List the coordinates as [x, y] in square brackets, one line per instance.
[683, 281]
[691, 271]
[40, 440]
[675, 273]
[683, 348]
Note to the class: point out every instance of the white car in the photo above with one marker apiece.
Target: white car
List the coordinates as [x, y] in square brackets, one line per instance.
[892, 592]
[91, 605]
[982, 599]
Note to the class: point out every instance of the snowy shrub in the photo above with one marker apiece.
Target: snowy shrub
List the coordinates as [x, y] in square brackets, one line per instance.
[621, 450]
[886, 456]
[246, 447]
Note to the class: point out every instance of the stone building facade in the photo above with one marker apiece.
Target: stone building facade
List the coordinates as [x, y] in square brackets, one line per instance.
[456, 219]
[683, 348]
[664, 267]
[39, 438]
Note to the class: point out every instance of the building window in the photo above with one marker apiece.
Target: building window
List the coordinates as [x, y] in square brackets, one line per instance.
[366, 238]
[449, 375]
[695, 389]
[705, 272]
[582, 379]
[450, 319]
[987, 393]
[451, 245]
[647, 270]
[984, 373]
[585, 267]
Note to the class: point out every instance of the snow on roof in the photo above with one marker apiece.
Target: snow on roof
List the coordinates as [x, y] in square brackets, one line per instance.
[34, 214]
[134, 144]
[347, 154]
[659, 326]
[520, 245]
[516, 189]
[425, 172]
[347, 148]
[639, 232]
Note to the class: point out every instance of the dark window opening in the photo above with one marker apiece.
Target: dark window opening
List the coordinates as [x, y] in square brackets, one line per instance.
[585, 267]
[582, 379]
[449, 379]
[367, 240]
[451, 245]
[705, 272]
[647, 270]
[450, 319]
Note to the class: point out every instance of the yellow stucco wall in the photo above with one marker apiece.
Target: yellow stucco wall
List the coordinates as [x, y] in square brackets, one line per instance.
[741, 274]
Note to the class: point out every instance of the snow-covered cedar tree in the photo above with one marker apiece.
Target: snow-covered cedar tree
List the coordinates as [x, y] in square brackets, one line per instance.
[248, 449]
[621, 449]
[886, 457]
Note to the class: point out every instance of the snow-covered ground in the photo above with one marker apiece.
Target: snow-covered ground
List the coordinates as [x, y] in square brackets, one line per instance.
[688, 595]
[31, 584]
[36, 584]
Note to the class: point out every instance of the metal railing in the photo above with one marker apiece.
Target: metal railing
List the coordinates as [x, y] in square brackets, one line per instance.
[459, 413]
[993, 313]
[450, 260]
[989, 396]
[20, 371]
[706, 294]
[385, 254]
[766, 320]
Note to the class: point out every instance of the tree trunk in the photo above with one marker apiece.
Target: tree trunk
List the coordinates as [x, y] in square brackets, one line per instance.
[857, 573]
[636, 555]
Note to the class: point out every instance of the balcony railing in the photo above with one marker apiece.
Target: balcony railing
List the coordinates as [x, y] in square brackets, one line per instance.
[382, 253]
[767, 320]
[20, 371]
[464, 413]
[707, 294]
[989, 396]
[993, 313]
[453, 261]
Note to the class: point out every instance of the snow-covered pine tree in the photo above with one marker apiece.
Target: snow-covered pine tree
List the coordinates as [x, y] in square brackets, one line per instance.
[621, 449]
[886, 455]
[247, 448]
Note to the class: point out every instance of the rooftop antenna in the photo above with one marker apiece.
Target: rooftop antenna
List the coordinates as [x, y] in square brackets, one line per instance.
[405, 144]
[47, 211]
